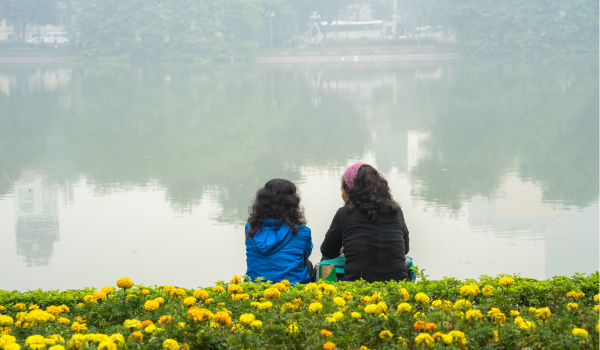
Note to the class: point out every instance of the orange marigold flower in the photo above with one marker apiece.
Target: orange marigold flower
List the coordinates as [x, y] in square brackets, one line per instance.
[329, 346]
[326, 333]
[146, 323]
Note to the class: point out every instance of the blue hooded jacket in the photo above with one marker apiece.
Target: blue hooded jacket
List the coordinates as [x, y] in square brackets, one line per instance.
[275, 254]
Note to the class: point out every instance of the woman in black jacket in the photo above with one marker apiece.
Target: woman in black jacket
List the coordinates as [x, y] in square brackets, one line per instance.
[371, 228]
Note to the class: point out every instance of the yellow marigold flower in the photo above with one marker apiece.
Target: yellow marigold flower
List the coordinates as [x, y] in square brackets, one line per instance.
[54, 310]
[256, 324]
[311, 288]
[488, 291]
[159, 300]
[494, 337]
[424, 339]
[201, 294]
[371, 309]
[6, 321]
[218, 289]
[460, 338]
[580, 332]
[35, 342]
[362, 347]
[145, 291]
[385, 334]
[422, 298]
[53, 347]
[470, 290]
[78, 327]
[234, 288]
[151, 305]
[280, 286]
[236, 279]
[164, 319]
[107, 290]
[572, 306]
[329, 346]
[436, 303]
[171, 344]
[376, 297]
[462, 304]
[118, 339]
[596, 307]
[34, 307]
[20, 306]
[445, 339]
[347, 296]
[381, 307]
[596, 297]
[198, 314]
[64, 321]
[90, 299]
[107, 345]
[286, 283]
[330, 291]
[514, 313]
[527, 325]
[152, 329]
[338, 316]
[124, 283]
[339, 302]
[404, 293]
[177, 292]
[247, 318]
[132, 324]
[2, 308]
[189, 301]
[315, 307]
[355, 315]
[506, 281]
[366, 299]
[293, 329]
[532, 310]
[497, 315]
[267, 305]
[214, 325]
[404, 307]
[418, 314]
[272, 294]
[167, 288]
[543, 313]
[575, 294]
[474, 315]
[99, 295]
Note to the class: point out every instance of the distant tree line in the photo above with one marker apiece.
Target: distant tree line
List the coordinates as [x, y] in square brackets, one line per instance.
[234, 29]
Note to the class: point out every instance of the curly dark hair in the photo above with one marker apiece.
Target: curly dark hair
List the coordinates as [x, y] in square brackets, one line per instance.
[279, 199]
[370, 194]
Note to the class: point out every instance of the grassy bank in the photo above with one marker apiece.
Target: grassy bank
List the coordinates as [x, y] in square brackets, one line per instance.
[491, 313]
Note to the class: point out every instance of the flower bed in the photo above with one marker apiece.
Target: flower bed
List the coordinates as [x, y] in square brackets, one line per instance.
[498, 313]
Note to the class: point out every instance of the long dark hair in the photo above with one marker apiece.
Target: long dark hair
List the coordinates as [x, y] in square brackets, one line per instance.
[370, 194]
[279, 199]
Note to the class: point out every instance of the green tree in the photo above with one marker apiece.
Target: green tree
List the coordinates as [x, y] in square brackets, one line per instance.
[521, 26]
[24, 12]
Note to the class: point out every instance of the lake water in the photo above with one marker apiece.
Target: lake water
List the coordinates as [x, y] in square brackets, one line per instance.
[148, 171]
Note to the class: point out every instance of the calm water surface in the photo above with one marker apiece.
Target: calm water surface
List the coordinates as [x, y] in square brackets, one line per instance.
[148, 171]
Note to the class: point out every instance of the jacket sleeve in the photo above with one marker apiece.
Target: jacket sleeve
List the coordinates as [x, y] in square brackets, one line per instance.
[405, 234]
[333, 239]
[309, 246]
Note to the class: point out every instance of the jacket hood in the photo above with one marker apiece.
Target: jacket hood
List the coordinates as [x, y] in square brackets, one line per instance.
[273, 236]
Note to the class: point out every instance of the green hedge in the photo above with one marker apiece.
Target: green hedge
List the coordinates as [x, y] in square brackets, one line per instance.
[341, 315]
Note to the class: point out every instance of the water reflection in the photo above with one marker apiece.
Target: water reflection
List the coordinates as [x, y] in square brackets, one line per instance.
[507, 147]
[36, 209]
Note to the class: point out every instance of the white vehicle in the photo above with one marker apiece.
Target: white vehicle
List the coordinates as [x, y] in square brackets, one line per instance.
[59, 38]
[36, 40]
[353, 30]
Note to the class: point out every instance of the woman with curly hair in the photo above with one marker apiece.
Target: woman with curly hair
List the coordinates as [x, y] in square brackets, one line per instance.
[371, 228]
[278, 243]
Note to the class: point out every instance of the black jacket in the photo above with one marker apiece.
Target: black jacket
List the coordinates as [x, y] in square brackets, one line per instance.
[375, 251]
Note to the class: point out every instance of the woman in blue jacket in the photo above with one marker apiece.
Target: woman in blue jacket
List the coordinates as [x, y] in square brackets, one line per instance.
[278, 243]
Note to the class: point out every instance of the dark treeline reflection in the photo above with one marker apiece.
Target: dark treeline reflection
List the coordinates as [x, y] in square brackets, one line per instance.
[536, 117]
[225, 130]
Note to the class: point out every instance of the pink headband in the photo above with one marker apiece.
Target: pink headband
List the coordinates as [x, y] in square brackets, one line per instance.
[350, 173]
